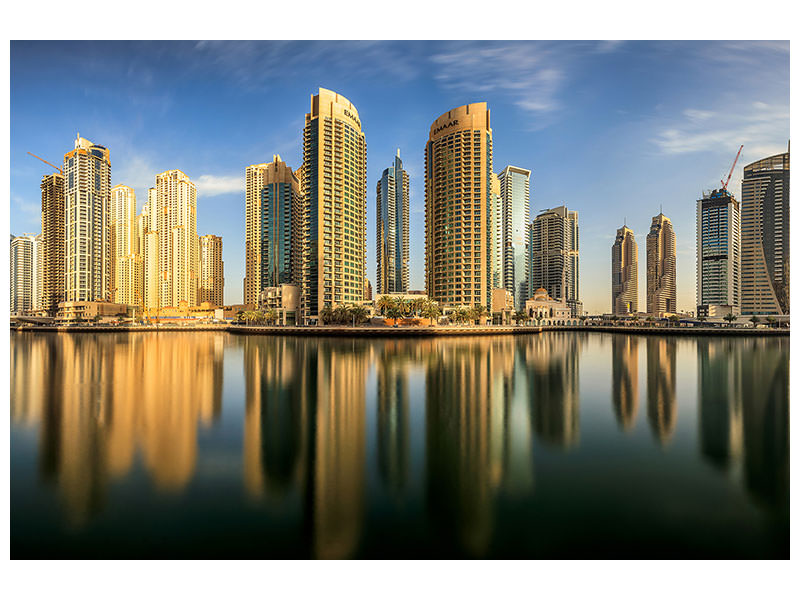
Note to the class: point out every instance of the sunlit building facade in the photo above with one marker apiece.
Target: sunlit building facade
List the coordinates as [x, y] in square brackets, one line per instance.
[624, 273]
[25, 271]
[554, 255]
[765, 236]
[87, 207]
[458, 205]
[212, 273]
[334, 192]
[513, 242]
[52, 242]
[392, 195]
[661, 258]
[128, 269]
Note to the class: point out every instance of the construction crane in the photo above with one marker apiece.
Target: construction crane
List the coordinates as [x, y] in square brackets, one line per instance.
[725, 183]
[47, 163]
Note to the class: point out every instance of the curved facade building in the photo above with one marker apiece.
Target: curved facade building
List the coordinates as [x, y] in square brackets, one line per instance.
[335, 204]
[765, 236]
[393, 204]
[661, 290]
[624, 273]
[458, 169]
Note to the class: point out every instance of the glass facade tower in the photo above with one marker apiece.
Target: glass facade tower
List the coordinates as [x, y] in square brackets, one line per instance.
[392, 231]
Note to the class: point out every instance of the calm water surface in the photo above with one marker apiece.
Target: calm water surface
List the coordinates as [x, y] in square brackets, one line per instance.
[564, 444]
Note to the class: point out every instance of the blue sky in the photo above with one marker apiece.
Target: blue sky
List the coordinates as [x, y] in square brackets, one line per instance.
[613, 130]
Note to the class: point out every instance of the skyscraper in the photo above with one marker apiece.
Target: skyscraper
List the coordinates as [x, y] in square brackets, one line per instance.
[624, 273]
[497, 231]
[147, 230]
[392, 210]
[335, 195]
[87, 203]
[515, 214]
[274, 243]
[458, 171]
[125, 247]
[661, 289]
[25, 271]
[765, 236]
[718, 258]
[173, 240]
[554, 254]
[52, 242]
[212, 275]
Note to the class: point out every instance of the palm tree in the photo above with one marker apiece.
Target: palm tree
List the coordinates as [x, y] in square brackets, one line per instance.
[270, 316]
[519, 316]
[359, 314]
[430, 310]
[755, 320]
[730, 318]
[674, 319]
[340, 315]
[481, 312]
[384, 302]
[771, 320]
[394, 311]
[650, 320]
[326, 315]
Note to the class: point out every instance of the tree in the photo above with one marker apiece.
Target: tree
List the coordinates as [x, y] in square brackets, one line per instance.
[430, 310]
[755, 320]
[519, 316]
[480, 312]
[417, 305]
[650, 320]
[326, 315]
[394, 311]
[384, 302]
[730, 318]
[240, 316]
[674, 319]
[341, 315]
[771, 320]
[359, 314]
[270, 316]
[614, 319]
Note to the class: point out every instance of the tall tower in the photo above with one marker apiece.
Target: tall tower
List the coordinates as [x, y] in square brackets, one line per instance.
[335, 204]
[515, 214]
[254, 182]
[458, 194]
[554, 255]
[87, 204]
[178, 246]
[24, 269]
[624, 273]
[497, 231]
[718, 252]
[212, 275]
[661, 288]
[765, 236]
[52, 242]
[125, 246]
[392, 210]
[147, 231]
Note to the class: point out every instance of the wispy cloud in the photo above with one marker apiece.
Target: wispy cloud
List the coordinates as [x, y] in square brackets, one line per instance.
[215, 185]
[761, 127]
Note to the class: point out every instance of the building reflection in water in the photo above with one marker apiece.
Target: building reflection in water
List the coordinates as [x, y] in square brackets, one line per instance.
[625, 379]
[744, 411]
[552, 366]
[661, 405]
[101, 400]
[396, 358]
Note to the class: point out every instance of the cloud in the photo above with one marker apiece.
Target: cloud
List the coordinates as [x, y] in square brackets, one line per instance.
[215, 185]
[30, 213]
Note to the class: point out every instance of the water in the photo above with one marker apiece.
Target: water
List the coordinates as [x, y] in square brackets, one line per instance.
[559, 445]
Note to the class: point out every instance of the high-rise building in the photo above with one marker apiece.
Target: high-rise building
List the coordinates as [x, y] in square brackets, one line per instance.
[554, 255]
[392, 210]
[661, 288]
[458, 204]
[212, 275]
[624, 273]
[765, 236]
[497, 232]
[125, 247]
[147, 231]
[274, 233]
[25, 271]
[718, 258]
[172, 245]
[515, 214]
[87, 205]
[52, 242]
[335, 204]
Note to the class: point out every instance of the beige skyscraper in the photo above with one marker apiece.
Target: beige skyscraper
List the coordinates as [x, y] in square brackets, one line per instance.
[147, 231]
[335, 204]
[458, 171]
[212, 277]
[25, 270]
[174, 250]
[52, 242]
[87, 200]
[661, 288]
[254, 184]
[554, 256]
[624, 273]
[125, 246]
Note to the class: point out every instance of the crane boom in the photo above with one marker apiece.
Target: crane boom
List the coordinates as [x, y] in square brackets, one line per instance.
[47, 163]
[725, 183]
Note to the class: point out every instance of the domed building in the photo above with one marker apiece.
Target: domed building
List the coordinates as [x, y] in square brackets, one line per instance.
[542, 306]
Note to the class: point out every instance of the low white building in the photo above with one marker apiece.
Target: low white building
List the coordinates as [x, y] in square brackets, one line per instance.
[543, 307]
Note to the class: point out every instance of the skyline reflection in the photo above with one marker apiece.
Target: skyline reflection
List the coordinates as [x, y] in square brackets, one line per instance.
[322, 424]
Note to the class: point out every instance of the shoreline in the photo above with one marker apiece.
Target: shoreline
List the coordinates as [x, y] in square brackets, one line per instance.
[436, 331]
